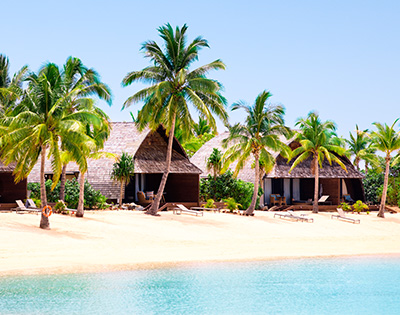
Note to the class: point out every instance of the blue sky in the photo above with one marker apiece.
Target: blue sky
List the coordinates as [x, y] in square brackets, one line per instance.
[340, 58]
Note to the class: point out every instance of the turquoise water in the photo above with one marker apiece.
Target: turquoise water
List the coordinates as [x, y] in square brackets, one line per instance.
[358, 285]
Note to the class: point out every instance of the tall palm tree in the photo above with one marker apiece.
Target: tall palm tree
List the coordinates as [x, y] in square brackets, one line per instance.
[10, 88]
[262, 130]
[172, 87]
[359, 147]
[40, 123]
[214, 162]
[75, 74]
[317, 140]
[122, 171]
[387, 140]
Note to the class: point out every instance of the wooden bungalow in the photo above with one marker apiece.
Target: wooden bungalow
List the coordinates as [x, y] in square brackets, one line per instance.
[298, 186]
[9, 190]
[149, 150]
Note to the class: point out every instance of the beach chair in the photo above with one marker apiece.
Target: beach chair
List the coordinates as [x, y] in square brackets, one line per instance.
[30, 204]
[341, 216]
[324, 199]
[348, 199]
[21, 208]
[182, 209]
[275, 199]
[142, 199]
[291, 215]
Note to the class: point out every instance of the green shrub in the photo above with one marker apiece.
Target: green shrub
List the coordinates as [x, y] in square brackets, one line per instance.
[209, 204]
[60, 207]
[372, 182]
[231, 204]
[345, 206]
[360, 206]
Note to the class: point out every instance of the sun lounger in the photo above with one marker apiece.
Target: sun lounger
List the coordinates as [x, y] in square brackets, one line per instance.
[292, 216]
[21, 208]
[31, 204]
[183, 209]
[324, 200]
[208, 209]
[342, 216]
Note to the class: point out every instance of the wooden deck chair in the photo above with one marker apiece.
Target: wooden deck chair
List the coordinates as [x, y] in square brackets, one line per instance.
[21, 208]
[342, 216]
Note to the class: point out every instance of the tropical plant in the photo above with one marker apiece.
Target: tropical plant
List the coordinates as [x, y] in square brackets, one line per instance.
[231, 204]
[359, 147]
[214, 162]
[209, 204]
[345, 206]
[386, 140]
[60, 206]
[317, 140]
[122, 171]
[173, 87]
[359, 206]
[262, 130]
[202, 127]
[10, 88]
[372, 182]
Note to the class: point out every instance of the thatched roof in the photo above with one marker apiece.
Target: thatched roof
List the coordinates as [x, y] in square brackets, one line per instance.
[149, 149]
[7, 168]
[281, 169]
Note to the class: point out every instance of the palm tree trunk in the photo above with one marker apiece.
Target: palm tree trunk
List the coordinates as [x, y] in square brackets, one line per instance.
[79, 211]
[44, 221]
[381, 212]
[366, 167]
[316, 185]
[357, 163]
[121, 193]
[62, 182]
[156, 203]
[252, 207]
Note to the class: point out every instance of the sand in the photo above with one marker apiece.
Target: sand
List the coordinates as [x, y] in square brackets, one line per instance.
[120, 240]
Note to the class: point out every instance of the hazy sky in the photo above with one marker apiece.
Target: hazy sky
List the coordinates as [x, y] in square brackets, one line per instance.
[341, 58]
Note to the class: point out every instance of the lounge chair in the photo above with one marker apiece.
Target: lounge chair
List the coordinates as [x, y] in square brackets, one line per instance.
[341, 216]
[142, 199]
[324, 199]
[183, 209]
[276, 199]
[290, 215]
[30, 204]
[348, 199]
[21, 208]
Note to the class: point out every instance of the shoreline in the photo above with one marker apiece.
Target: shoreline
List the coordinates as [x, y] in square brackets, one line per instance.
[110, 241]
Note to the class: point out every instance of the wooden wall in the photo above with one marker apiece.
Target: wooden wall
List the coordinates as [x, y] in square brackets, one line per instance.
[331, 187]
[9, 190]
[183, 188]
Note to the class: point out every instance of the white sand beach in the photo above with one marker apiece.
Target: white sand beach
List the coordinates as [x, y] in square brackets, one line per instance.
[119, 240]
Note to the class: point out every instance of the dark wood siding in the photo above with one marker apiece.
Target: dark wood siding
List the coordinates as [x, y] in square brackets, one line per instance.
[9, 190]
[182, 188]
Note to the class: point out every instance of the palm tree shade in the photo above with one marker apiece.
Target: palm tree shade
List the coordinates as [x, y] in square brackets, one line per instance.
[317, 140]
[172, 88]
[262, 130]
[386, 140]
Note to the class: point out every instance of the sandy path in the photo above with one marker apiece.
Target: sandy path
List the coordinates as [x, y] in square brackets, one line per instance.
[127, 239]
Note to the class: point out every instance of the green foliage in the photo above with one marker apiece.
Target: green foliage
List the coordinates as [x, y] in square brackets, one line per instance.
[124, 168]
[345, 206]
[373, 183]
[360, 206]
[231, 204]
[93, 198]
[59, 207]
[209, 204]
[225, 186]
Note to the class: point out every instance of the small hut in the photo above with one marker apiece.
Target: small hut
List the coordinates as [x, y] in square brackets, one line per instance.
[9, 190]
[149, 150]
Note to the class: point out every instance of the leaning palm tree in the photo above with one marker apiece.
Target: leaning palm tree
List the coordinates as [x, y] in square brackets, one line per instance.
[214, 162]
[318, 141]
[122, 171]
[40, 123]
[387, 140]
[173, 87]
[359, 147]
[10, 88]
[262, 130]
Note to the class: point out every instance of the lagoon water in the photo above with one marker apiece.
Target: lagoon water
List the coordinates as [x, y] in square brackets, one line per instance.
[355, 285]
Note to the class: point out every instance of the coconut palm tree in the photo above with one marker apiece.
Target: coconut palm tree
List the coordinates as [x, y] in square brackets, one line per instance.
[122, 171]
[317, 140]
[262, 130]
[387, 140]
[40, 123]
[359, 147]
[214, 162]
[172, 88]
[10, 88]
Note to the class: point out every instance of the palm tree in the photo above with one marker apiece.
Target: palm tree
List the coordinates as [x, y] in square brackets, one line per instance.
[173, 87]
[387, 140]
[10, 88]
[122, 171]
[359, 147]
[214, 162]
[202, 127]
[75, 74]
[40, 123]
[317, 140]
[262, 130]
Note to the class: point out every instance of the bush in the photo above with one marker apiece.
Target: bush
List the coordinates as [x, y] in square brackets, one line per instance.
[360, 206]
[231, 204]
[226, 186]
[345, 206]
[93, 198]
[372, 182]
